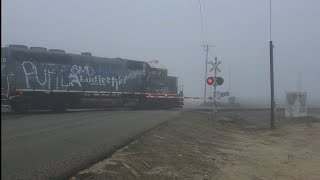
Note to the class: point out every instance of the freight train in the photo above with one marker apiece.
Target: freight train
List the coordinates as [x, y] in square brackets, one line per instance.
[37, 78]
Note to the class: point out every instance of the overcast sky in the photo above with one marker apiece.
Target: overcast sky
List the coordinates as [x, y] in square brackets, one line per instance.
[170, 31]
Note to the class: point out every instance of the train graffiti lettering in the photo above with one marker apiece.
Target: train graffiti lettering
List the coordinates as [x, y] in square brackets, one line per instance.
[63, 76]
[77, 69]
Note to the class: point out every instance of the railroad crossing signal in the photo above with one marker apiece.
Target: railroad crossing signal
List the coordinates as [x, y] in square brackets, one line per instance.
[210, 80]
[215, 66]
[215, 80]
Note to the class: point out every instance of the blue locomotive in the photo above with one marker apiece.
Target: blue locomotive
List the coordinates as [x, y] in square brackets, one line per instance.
[37, 78]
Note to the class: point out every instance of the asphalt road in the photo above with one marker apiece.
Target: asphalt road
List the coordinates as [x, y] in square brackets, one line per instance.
[54, 146]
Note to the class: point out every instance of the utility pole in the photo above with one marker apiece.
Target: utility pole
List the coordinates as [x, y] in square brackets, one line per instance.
[271, 75]
[206, 73]
[299, 83]
[272, 85]
[229, 75]
[206, 49]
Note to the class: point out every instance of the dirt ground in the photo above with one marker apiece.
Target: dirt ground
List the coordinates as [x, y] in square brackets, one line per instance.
[235, 145]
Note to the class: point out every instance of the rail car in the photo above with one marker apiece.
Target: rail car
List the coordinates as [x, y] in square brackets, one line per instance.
[37, 78]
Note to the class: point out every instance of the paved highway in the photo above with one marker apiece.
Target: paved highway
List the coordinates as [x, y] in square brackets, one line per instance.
[54, 146]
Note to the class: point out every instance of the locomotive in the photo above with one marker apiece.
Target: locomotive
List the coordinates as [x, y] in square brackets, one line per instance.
[38, 78]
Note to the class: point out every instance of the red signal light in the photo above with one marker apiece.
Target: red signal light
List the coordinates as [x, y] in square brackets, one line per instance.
[210, 80]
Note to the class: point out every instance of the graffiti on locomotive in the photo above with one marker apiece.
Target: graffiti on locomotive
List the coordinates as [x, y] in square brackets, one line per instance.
[61, 76]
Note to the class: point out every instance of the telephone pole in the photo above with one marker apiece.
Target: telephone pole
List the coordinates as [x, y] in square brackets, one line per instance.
[272, 85]
[206, 49]
[229, 76]
[271, 75]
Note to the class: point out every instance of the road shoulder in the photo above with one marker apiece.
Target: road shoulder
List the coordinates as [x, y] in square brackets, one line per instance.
[235, 145]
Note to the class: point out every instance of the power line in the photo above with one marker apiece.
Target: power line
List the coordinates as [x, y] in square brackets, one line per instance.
[201, 20]
[270, 20]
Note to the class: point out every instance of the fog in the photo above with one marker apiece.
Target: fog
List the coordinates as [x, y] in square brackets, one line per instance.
[170, 31]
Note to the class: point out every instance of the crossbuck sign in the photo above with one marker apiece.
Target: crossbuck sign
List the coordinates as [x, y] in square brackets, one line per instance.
[215, 66]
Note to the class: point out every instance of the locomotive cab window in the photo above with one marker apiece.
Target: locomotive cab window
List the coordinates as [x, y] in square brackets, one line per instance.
[159, 73]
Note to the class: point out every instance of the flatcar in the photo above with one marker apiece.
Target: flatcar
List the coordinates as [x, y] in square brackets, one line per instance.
[37, 78]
